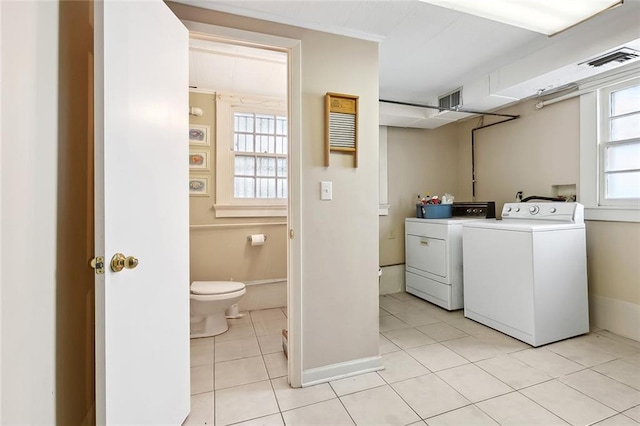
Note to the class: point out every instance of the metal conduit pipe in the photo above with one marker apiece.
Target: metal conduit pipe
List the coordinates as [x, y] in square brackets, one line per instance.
[591, 86]
[473, 142]
[542, 104]
[468, 111]
[473, 152]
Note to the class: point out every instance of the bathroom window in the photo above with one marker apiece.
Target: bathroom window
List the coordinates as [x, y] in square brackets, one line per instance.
[251, 156]
[260, 155]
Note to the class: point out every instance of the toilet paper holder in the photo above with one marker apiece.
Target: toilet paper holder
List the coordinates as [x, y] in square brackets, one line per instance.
[249, 238]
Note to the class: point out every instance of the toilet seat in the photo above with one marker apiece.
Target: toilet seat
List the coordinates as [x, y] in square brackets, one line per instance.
[208, 302]
[216, 287]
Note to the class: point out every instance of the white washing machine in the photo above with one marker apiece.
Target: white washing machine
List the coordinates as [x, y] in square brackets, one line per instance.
[526, 275]
[433, 254]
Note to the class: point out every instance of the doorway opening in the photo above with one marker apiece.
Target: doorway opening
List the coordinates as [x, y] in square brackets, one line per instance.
[241, 94]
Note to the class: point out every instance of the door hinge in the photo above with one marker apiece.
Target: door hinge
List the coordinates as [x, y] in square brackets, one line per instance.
[97, 263]
[291, 234]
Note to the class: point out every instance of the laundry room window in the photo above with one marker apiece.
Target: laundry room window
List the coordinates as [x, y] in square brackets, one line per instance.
[251, 156]
[619, 150]
[610, 146]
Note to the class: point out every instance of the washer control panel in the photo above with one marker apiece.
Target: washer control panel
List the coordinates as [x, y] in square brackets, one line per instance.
[554, 211]
[480, 209]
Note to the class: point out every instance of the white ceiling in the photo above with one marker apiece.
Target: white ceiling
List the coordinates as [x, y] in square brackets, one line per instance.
[238, 69]
[426, 51]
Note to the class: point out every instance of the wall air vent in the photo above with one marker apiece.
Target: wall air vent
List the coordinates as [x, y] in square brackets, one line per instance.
[621, 55]
[450, 100]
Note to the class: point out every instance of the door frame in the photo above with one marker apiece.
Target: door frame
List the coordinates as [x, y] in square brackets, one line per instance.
[293, 49]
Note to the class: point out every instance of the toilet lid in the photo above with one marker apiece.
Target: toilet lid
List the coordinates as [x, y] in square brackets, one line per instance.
[216, 287]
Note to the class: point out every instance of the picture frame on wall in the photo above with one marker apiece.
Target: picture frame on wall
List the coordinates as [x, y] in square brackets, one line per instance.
[199, 134]
[198, 160]
[199, 185]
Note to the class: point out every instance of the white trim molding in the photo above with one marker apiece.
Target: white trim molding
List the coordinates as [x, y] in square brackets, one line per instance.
[616, 316]
[262, 210]
[383, 209]
[612, 214]
[392, 279]
[327, 373]
[383, 195]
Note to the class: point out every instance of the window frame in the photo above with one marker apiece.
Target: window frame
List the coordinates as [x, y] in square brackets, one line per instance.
[593, 142]
[226, 204]
[604, 142]
[256, 155]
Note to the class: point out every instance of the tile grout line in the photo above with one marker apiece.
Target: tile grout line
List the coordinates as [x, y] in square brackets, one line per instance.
[513, 390]
[617, 357]
[589, 396]
[545, 408]
[264, 363]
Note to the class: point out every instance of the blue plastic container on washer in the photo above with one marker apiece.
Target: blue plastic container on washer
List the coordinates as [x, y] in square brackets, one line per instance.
[437, 211]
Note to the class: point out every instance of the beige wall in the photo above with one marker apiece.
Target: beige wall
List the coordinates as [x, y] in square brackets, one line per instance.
[530, 154]
[222, 252]
[613, 250]
[339, 238]
[418, 161]
[225, 254]
[613, 253]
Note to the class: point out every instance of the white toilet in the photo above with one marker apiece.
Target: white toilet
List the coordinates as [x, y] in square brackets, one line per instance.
[209, 301]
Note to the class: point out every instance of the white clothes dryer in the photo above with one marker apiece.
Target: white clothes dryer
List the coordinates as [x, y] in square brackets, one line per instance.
[526, 275]
[433, 253]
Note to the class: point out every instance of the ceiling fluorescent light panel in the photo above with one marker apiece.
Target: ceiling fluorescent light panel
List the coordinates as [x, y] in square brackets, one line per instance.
[542, 16]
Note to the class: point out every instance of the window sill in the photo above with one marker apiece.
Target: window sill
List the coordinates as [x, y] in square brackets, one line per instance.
[263, 210]
[612, 214]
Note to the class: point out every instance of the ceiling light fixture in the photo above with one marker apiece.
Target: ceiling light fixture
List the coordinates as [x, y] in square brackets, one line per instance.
[542, 16]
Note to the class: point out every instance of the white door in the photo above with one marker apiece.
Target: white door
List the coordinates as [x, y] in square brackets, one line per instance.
[141, 178]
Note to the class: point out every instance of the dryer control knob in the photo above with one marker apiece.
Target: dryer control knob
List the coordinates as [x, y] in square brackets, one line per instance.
[533, 209]
[552, 209]
[508, 209]
[517, 209]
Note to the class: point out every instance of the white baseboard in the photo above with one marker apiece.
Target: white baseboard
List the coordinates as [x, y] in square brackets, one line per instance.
[266, 294]
[616, 316]
[314, 376]
[392, 279]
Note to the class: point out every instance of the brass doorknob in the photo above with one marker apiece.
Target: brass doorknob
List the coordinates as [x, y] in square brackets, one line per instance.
[119, 262]
[130, 262]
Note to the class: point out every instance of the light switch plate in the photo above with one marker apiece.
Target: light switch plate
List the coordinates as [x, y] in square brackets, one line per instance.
[326, 191]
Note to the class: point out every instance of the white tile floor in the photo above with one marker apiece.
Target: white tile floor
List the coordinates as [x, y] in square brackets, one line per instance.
[440, 369]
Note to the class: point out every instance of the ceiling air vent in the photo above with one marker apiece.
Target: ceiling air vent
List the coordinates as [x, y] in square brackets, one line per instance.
[621, 55]
[450, 100]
